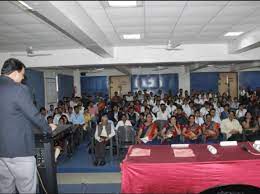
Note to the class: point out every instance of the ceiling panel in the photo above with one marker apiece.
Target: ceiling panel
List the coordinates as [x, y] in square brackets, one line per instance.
[160, 21]
[193, 20]
[165, 3]
[156, 35]
[91, 4]
[191, 28]
[9, 8]
[8, 29]
[162, 11]
[251, 20]
[243, 28]
[34, 27]
[158, 28]
[125, 12]
[224, 20]
[238, 10]
[217, 27]
[154, 19]
[126, 30]
[241, 3]
[211, 33]
[206, 3]
[19, 19]
[191, 11]
[129, 22]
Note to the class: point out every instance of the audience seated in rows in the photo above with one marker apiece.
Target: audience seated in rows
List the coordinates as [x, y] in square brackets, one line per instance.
[201, 117]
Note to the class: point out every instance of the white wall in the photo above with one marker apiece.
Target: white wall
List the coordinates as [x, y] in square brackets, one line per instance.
[50, 92]
[138, 54]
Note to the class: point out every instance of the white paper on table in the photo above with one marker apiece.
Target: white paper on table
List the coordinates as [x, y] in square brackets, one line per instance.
[140, 152]
[179, 145]
[145, 139]
[228, 143]
[178, 153]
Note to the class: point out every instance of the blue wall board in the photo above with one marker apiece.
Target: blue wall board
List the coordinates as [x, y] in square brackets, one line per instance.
[204, 81]
[35, 81]
[249, 79]
[66, 86]
[94, 85]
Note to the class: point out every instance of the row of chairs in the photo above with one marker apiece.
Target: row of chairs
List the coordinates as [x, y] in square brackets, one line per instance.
[125, 136]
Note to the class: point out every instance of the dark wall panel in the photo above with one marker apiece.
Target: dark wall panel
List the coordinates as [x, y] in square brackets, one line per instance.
[204, 81]
[35, 81]
[66, 86]
[94, 85]
[249, 79]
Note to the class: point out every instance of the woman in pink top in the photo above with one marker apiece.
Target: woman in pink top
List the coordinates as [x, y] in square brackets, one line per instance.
[93, 110]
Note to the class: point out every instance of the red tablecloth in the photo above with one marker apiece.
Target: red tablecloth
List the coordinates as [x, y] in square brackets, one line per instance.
[161, 172]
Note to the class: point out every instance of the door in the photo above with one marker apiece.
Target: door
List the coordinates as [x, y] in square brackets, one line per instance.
[228, 83]
[120, 84]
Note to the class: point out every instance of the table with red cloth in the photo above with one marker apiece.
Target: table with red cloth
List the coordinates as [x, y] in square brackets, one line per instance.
[162, 172]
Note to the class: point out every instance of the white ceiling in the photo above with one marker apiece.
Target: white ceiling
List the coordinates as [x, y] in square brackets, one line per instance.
[20, 29]
[157, 21]
[181, 21]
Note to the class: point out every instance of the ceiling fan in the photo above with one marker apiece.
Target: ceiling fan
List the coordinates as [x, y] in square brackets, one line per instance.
[169, 47]
[30, 53]
[159, 68]
[94, 70]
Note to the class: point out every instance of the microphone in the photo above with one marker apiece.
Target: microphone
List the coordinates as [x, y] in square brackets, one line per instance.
[212, 149]
[243, 147]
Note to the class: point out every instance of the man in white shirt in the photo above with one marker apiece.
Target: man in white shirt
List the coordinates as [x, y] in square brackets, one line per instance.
[140, 96]
[201, 100]
[129, 97]
[204, 110]
[171, 108]
[124, 122]
[50, 112]
[231, 127]
[57, 116]
[241, 112]
[156, 108]
[179, 101]
[163, 114]
[104, 132]
[186, 108]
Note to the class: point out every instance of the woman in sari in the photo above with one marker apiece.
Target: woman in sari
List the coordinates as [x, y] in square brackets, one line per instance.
[250, 128]
[148, 131]
[172, 132]
[192, 131]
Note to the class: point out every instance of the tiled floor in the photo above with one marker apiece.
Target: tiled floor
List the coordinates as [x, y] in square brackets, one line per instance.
[79, 175]
[88, 178]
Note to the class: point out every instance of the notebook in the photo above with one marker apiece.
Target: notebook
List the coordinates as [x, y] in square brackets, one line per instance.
[180, 153]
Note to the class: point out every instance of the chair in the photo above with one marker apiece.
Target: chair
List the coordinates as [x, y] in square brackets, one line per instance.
[108, 147]
[161, 124]
[235, 188]
[125, 136]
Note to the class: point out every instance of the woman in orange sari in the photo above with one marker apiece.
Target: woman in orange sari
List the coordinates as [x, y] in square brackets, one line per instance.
[171, 133]
[148, 131]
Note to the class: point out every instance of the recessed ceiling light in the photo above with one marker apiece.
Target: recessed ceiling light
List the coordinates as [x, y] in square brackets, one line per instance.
[122, 3]
[25, 5]
[233, 33]
[131, 36]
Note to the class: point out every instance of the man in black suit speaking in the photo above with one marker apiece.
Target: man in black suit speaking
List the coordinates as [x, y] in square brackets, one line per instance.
[17, 117]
